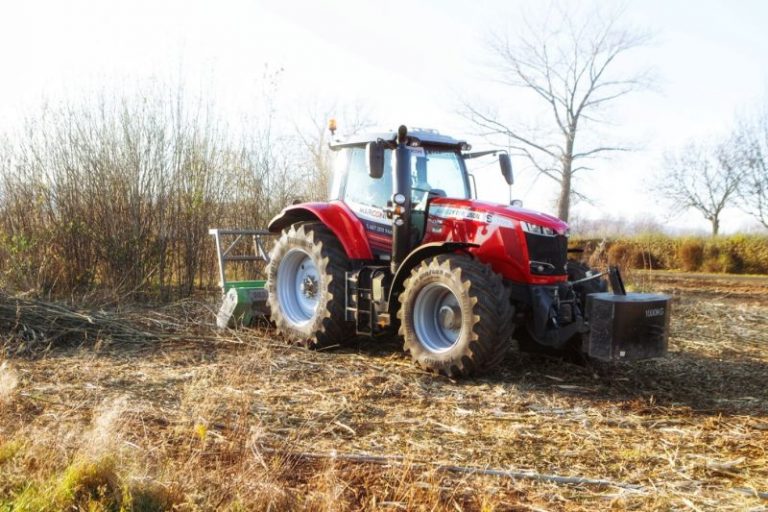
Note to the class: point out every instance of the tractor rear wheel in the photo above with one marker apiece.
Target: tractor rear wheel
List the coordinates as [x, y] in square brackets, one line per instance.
[455, 316]
[305, 281]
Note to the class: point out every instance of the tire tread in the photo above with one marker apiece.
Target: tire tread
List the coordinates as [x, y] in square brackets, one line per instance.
[332, 328]
[491, 310]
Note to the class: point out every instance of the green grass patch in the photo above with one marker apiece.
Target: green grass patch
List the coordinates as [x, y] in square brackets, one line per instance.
[9, 449]
[95, 486]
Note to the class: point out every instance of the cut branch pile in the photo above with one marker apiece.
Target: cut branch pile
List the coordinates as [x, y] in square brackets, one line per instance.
[30, 325]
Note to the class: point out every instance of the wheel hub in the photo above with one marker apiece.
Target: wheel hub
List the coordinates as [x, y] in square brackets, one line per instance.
[450, 317]
[437, 318]
[309, 287]
[298, 287]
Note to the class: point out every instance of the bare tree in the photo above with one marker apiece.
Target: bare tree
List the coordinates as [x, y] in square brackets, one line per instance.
[701, 177]
[752, 140]
[315, 137]
[570, 64]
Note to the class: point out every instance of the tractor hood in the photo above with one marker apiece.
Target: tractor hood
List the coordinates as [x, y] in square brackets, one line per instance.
[486, 211]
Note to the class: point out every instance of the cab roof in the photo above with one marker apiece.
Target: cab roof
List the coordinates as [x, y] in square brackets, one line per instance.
[416, 137]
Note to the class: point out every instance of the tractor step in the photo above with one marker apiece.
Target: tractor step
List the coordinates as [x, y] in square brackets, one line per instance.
[358, 302]
[365, 299]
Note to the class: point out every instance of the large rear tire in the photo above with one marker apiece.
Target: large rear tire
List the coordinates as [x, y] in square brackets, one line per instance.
[455, 316]
[305, 281]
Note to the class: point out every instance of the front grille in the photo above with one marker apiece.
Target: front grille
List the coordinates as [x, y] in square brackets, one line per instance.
[550, 252]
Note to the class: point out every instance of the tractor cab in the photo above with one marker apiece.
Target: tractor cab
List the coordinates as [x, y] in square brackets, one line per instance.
[436, 169]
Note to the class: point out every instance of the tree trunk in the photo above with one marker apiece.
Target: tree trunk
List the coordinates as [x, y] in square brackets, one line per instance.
[715, 225]
[564, 201]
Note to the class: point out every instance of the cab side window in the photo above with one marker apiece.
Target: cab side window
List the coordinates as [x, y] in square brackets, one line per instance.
[363, 189]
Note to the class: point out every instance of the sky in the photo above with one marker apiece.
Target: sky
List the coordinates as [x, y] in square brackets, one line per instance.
[404, 63]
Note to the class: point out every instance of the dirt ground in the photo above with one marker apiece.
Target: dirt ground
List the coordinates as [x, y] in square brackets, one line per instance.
[244, 422]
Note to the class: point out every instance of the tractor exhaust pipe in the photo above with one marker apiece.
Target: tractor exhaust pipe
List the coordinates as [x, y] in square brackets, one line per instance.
[401, 201]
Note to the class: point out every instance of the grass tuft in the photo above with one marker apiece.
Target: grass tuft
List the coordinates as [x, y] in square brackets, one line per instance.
[84, 485]
[148, 496]
[9, 449]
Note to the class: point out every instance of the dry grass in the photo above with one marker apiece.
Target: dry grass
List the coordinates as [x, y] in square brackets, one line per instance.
[200, 421]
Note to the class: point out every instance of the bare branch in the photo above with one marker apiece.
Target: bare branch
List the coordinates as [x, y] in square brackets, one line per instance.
[569, 65]
[595, 151]
[496, 127]
[750, 145]
[701, 178]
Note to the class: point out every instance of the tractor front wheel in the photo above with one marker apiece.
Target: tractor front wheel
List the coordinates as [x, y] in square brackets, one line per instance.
[455, 316]
[305, 281]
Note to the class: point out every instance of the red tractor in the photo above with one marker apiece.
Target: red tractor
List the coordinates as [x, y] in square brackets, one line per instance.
[401, 245]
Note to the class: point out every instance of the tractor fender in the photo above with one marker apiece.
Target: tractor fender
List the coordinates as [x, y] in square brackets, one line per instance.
[421, 253]
[336, 216]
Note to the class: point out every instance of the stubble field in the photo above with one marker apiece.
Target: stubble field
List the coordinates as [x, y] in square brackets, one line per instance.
[192, 419]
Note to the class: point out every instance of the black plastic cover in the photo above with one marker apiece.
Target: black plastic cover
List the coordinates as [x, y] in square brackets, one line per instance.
[627, 327]
[552, 250]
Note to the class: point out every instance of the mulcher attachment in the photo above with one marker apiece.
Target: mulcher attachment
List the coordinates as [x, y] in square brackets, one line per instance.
[244, 301]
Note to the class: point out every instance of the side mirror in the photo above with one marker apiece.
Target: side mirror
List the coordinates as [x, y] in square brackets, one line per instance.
[374, 159]
[506, 168]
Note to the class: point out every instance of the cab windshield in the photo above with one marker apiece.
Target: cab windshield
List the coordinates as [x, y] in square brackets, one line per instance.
[435, 170]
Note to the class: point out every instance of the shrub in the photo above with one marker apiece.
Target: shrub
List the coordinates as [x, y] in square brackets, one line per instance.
[118, 194]
[752, 252]
[630, 254]
[690, 254]
[620, 253]
[732, 254]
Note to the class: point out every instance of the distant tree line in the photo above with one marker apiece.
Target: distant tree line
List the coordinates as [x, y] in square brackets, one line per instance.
[575, 65]
[711, 177]
[734, 254]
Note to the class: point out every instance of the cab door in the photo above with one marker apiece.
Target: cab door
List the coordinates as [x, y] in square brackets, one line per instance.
[367, 197]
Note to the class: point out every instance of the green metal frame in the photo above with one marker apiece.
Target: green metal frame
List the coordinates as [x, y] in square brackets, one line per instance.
[258, 283]
[245, 300]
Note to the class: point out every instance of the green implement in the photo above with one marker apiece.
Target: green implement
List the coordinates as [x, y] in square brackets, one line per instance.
[244, 301]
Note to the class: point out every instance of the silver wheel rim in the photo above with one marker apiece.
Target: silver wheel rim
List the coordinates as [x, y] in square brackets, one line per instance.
[437, 318]
[298, 287]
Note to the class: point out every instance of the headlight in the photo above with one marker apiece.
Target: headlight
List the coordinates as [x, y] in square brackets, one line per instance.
[535, 229]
